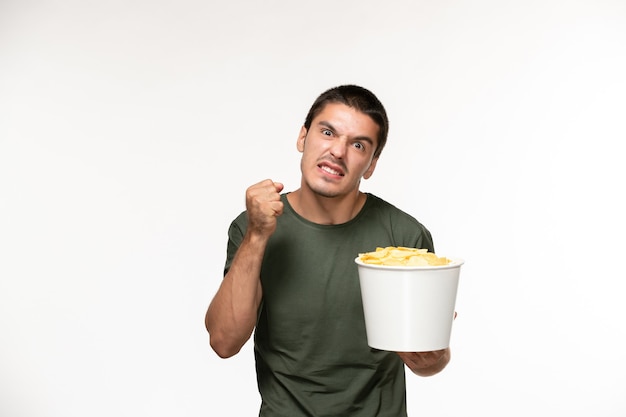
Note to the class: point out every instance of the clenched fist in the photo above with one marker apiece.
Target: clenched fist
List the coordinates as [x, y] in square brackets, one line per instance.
[264, 206]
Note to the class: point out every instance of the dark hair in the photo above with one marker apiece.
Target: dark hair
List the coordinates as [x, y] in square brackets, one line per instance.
[359, 99]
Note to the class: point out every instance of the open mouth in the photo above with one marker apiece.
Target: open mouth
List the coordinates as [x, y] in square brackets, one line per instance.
[330, 170]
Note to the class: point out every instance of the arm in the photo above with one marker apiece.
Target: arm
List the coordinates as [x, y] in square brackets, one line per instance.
[232, 314]
[426, 363]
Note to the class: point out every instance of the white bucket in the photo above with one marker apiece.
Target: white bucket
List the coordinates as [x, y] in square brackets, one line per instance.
[409, 308]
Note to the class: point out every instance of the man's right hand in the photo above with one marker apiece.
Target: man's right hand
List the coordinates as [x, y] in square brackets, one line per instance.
[232, 314]
[264, 206]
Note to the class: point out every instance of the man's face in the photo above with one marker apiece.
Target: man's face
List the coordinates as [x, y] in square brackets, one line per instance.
[338, 150]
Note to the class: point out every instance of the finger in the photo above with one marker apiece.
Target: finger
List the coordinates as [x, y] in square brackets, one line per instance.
[265, 190]
[277, 208]
[278, 186]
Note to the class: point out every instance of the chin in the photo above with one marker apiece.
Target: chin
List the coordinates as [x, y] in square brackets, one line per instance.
[325, 191]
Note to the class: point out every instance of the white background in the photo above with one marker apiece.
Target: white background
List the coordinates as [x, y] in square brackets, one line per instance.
[129, 131]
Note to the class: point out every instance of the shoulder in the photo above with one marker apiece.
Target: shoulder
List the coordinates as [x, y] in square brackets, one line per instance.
[381, 206]
[404, 227]
[238, 227]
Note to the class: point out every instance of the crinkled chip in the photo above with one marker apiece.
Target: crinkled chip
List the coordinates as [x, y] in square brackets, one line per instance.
[402, 256]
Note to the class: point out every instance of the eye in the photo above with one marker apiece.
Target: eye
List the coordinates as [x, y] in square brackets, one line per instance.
[359, 146]
[327, 132]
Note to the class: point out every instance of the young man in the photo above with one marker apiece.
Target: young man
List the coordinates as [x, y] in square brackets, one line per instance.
[290, 274]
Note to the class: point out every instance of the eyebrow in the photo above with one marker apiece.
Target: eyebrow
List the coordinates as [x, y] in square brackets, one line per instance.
[331, 127]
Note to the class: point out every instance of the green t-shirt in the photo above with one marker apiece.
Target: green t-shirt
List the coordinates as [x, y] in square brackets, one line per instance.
[312, 357]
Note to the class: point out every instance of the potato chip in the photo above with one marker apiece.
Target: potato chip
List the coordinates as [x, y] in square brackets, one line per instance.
[402, 256]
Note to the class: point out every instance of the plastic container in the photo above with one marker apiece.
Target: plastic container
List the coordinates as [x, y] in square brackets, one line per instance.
[409, 308]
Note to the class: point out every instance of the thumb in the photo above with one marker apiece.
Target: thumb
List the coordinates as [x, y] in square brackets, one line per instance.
[278, 186]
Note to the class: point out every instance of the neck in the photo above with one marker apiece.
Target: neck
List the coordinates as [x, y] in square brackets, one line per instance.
[326, 210]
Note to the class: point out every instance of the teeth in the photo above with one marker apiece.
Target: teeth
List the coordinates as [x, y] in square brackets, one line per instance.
[330, 170]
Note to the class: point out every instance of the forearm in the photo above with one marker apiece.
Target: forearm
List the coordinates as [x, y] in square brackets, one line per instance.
[232, 314]
[426, 363]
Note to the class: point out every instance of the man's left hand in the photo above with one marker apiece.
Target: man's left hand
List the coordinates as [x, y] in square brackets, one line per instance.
[426, 363]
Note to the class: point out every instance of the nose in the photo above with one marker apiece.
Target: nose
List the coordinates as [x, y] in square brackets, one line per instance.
[338, 147]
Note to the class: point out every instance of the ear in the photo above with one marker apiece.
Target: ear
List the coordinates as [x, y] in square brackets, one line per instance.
[301, 138]
[370, 169]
